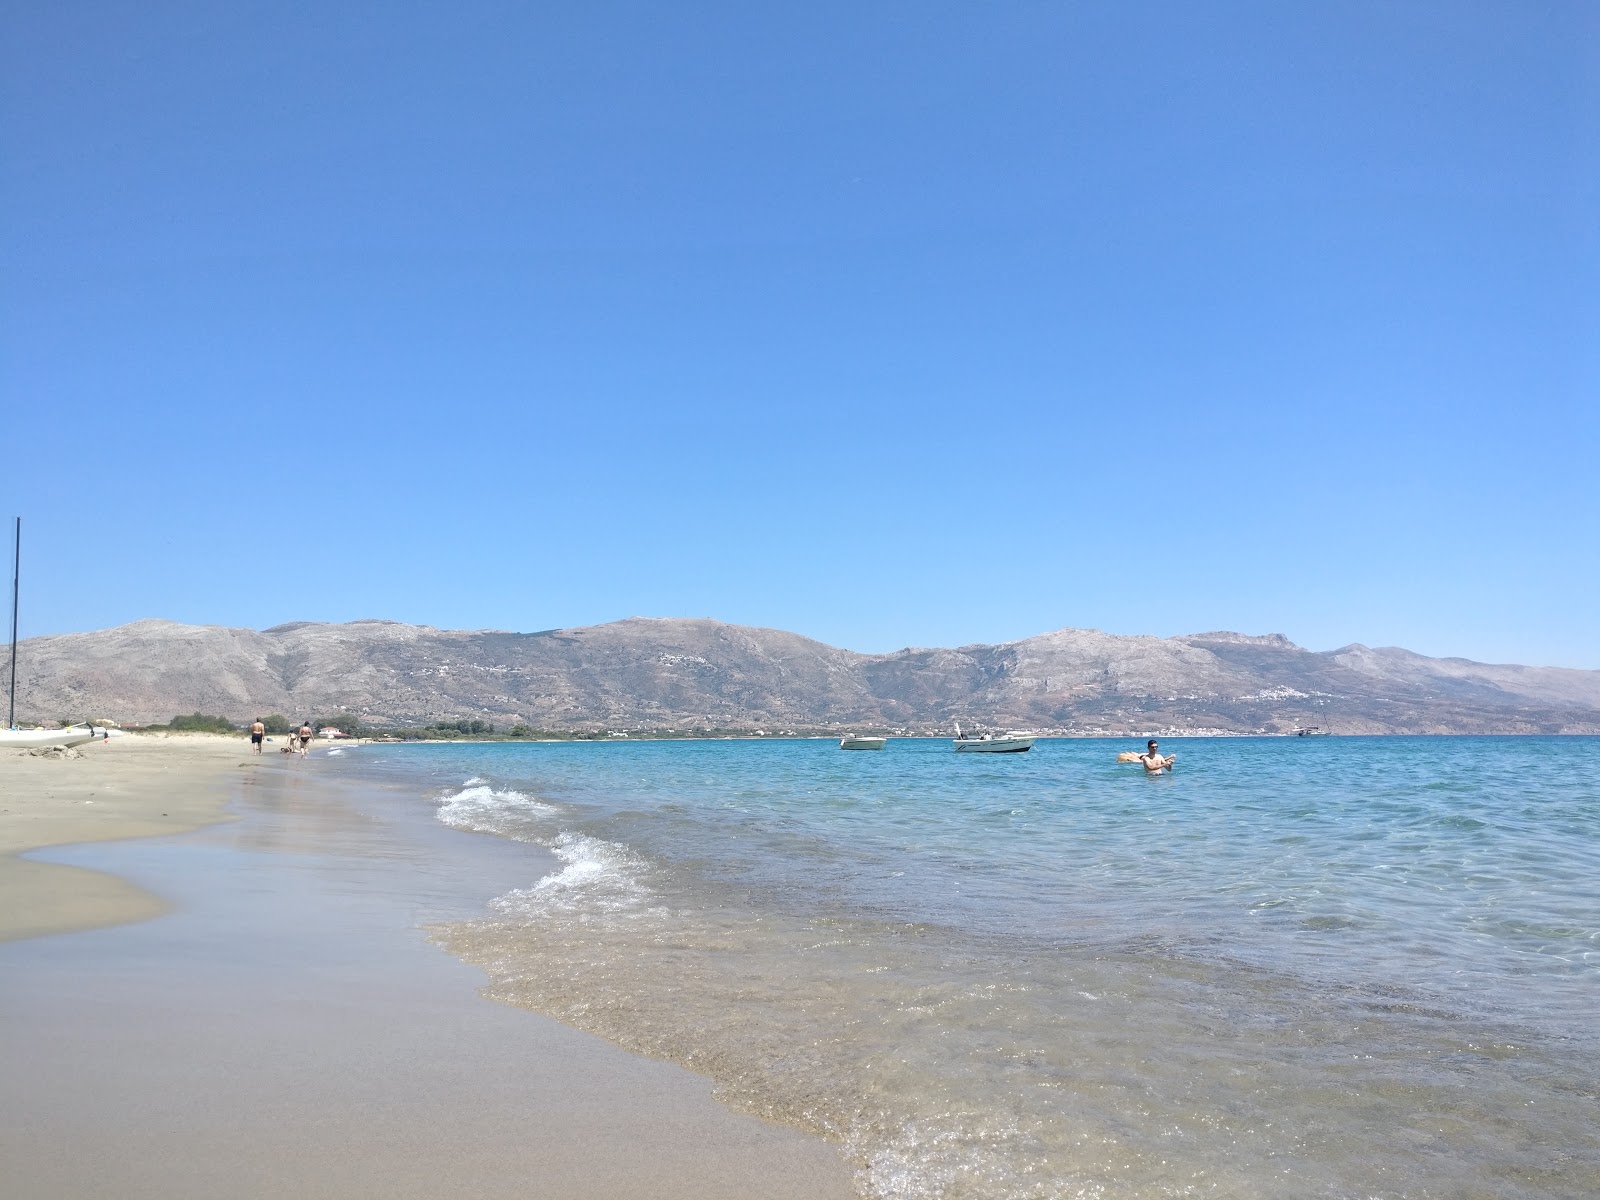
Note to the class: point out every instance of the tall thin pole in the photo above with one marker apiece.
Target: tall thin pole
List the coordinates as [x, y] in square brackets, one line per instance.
[16, 579]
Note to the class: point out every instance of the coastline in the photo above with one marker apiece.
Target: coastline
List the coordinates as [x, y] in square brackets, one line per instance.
[977, 970]
[291, 1026]
[132, 787]
[287, 1028]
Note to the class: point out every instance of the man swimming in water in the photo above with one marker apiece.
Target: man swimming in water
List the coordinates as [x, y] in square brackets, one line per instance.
[1153, 762]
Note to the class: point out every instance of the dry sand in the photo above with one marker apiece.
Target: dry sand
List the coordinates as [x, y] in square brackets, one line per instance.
[286, 1029]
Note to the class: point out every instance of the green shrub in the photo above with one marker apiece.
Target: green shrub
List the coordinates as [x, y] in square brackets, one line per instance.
[449, 728]
[202, 723]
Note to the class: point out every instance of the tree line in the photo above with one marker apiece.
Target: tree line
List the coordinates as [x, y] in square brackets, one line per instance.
[347, 723]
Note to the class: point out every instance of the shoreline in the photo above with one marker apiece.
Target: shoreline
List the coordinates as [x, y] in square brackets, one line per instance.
[734, 910]
[287, 1027]
[130, 787]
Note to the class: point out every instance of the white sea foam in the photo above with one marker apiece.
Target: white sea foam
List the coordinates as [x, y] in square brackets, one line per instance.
[969, 1153]
[482, 808]
[599, 877]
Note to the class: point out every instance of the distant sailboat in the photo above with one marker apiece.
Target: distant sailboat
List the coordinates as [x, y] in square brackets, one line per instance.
[29, 739]
[16, 585]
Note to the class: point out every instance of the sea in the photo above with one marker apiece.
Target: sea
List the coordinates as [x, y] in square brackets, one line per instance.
[1337, 967]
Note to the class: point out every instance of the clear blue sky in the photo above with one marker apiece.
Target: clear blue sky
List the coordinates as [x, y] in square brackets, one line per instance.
[912, 323]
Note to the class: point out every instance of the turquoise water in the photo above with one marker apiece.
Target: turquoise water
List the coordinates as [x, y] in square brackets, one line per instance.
[1331, 967]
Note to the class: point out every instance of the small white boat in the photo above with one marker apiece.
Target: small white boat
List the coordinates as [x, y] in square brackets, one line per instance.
[30, 739]
[862, 743]
[1012, 742]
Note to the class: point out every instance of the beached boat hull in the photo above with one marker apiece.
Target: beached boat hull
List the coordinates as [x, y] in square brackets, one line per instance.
[31, 739]
[862, 743]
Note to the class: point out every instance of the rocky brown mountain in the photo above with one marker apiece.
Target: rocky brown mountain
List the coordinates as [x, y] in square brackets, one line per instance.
[654, 673]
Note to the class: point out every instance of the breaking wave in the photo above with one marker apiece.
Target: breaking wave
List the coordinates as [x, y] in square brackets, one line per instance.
[479, 807]
[597, 877]
[600, 878]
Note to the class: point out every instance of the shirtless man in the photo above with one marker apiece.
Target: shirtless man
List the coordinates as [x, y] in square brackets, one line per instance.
[258, 734]
[1153, 762]
[305, 739]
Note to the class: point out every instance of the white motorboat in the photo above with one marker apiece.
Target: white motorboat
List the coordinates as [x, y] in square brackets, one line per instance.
[862, 743]
[30, 739]
[1012, 742]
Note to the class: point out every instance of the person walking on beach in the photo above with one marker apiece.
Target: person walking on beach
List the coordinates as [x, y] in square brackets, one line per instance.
[1153, 762]
[305, 738]
[258, 734]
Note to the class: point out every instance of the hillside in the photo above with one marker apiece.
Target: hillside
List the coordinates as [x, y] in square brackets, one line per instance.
[681, 673]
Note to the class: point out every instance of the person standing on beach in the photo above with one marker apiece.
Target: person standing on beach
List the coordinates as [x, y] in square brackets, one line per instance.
[305, 738]
[1153, 762]
[258, 734]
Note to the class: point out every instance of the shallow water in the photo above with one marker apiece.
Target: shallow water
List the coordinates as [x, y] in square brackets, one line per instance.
[1333, 967]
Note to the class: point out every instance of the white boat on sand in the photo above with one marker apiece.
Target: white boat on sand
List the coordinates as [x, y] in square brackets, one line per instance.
[1012, 742]
[31, 739]
[862, 743]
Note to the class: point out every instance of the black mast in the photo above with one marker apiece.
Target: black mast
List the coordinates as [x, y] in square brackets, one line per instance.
[16, 577]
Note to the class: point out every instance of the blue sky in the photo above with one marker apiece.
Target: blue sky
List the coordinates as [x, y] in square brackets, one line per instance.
[916, 323]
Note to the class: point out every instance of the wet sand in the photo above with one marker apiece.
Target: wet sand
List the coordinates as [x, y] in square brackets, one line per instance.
[287, 1029]
[129, 787]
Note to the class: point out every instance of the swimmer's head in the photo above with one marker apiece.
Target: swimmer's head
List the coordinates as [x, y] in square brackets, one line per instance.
[1151, 743]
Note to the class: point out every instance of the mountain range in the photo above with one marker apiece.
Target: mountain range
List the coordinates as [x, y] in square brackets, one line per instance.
[681, 674]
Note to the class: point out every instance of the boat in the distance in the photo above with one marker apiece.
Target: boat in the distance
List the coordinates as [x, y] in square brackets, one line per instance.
[12, 738]
[1012, 742]
[1310, 731]
[862, 743]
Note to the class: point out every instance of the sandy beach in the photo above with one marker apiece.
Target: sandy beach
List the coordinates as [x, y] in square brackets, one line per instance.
[130, 787]
[216, 981]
